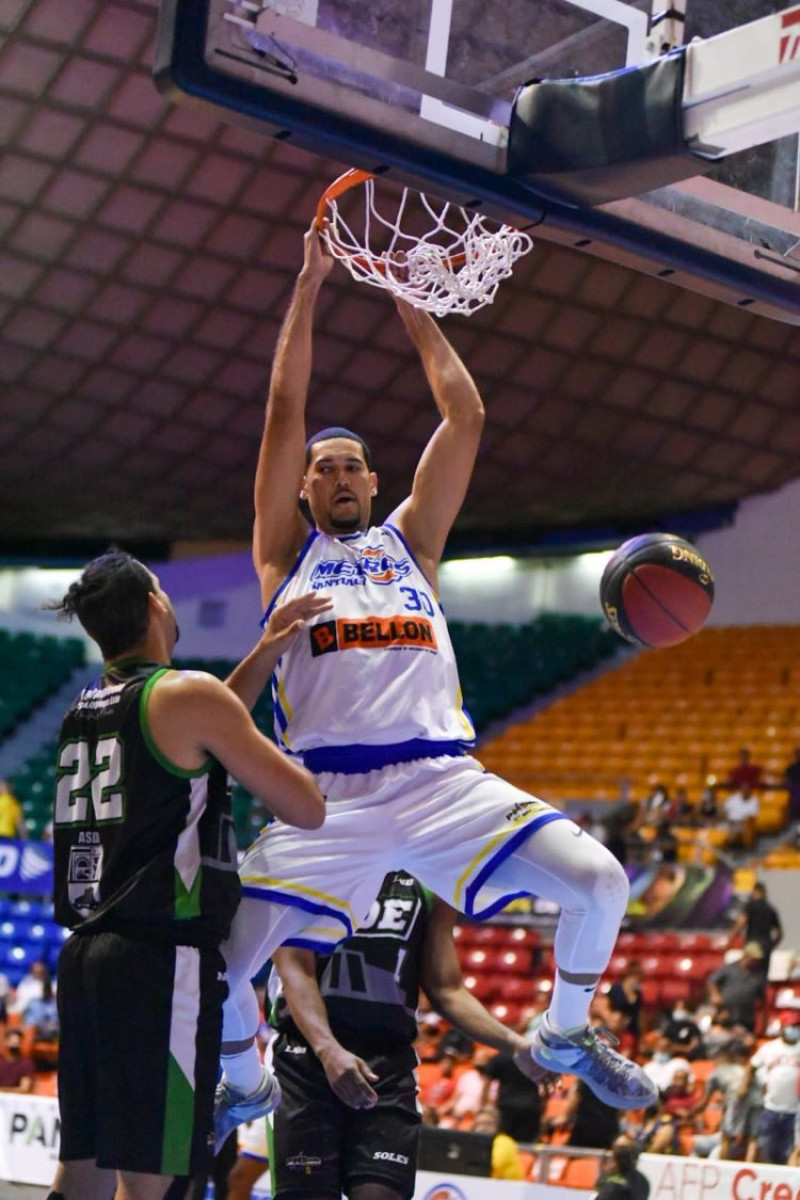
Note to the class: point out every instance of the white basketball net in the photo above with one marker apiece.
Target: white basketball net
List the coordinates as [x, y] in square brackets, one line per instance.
[454, 267]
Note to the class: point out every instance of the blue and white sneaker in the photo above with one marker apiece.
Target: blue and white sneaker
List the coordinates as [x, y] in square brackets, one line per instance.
[615, 1080]
[232, 1108]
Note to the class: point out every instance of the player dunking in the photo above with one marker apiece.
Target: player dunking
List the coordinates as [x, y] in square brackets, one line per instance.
[369, 698]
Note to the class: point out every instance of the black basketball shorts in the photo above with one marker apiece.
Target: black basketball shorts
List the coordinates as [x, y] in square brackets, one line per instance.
[321, 1147]
[141, 1026]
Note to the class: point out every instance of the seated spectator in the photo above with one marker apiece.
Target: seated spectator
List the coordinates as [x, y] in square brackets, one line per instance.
[680, 1097]
[740, 811]
[707, 809]
[659, 1132]
[655, 806]
[41, 1014]
[505, 1151]
[30, 987]
[437, 1092]
[791, 781]
[739, 987]
[682, 811]
[467, 1096]
[12, 817]
[719, 1028]
[683, 1032]
[16, 1071]
[664, 1063]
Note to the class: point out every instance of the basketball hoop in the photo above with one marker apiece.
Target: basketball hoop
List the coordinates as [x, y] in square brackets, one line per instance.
[454, 266]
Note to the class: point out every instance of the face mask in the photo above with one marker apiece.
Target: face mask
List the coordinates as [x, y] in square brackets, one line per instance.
[661, 1056]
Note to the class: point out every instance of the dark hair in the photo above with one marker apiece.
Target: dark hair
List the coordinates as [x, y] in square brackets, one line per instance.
[338, 431]
[625, 1156]
[110, 601]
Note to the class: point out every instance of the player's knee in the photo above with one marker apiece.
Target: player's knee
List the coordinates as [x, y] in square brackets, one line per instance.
[605, 880]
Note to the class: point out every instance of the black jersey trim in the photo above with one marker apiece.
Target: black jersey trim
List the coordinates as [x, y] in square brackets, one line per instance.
[144, 724]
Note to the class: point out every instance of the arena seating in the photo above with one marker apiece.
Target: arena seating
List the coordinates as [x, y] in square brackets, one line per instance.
[675, 716]
[31, 668]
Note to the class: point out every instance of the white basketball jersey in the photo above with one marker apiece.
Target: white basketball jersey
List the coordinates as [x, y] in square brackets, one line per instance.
[377, 672]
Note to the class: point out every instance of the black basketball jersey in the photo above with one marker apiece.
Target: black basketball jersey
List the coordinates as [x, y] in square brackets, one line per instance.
[370, 984]
[141, 846]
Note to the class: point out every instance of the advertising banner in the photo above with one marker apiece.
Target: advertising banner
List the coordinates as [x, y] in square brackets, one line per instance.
[29, 1138]
[26, 867]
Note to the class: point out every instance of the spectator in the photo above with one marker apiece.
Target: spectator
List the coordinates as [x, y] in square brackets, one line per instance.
[516, 1097]
[684, 1033]
[746, 774]
[776, 1066]
[12, 818]
[623, 1181]
[741, 1104]
[591, 1123]
[16, 1071]
[625, 997]
[435, 1094]
[741, 811]
[664, 847]
[30, 987]
[791, 781]
[659, 1131]
[41, 1013]
[739, 987]
[655, 805]
[467, 1096]
[759, 922]
[662, 1066]
[707, 809]
[680, 1097]
[682, 810]
[622, 835]
[505, 1151]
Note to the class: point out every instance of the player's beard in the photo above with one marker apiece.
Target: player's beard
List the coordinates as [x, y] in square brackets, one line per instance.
[346, 524]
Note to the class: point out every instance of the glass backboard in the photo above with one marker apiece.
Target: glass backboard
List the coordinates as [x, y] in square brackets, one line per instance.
[423, 91]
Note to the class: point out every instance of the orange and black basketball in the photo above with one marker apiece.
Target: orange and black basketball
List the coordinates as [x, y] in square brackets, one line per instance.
[656, 590]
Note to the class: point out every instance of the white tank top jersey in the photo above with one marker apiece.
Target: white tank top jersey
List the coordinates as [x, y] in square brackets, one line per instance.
[375, 680]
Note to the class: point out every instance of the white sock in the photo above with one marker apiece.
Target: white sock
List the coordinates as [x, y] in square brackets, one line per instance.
[569, 1006]
[244, 1071]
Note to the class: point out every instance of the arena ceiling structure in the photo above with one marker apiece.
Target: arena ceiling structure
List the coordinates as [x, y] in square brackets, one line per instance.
[147, 255]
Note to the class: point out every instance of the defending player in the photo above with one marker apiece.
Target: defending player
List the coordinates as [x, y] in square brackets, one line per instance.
[145, 875]
[345, 1053]
[369, 698]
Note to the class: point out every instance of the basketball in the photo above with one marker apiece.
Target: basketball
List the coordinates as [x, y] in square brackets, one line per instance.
[656, 590]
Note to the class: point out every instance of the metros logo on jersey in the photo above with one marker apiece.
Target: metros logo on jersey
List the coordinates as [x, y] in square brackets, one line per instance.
[374, 565]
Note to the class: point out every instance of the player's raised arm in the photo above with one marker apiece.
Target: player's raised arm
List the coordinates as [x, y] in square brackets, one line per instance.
[279, 528]
[192, 716]
[444, 471]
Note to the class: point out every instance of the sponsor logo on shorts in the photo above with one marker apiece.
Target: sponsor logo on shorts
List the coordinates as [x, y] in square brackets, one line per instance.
[525, 808]
[390, 1156]
[304, 1162]
[294, 1049]
[372, 633]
